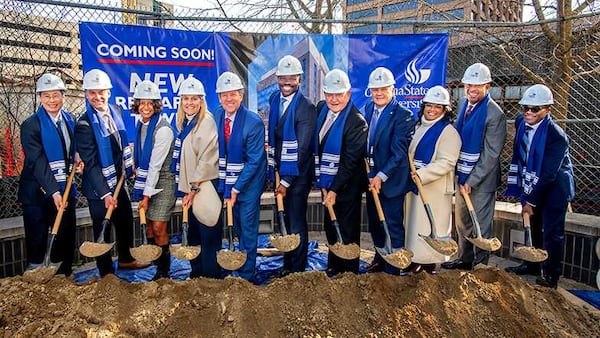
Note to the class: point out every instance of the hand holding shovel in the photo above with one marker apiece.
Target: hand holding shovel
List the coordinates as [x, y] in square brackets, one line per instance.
[345, 251]
[492, 244]
[99, 248]
[184, 251]
[283, 242]
[145, 252]
[528, 252]
[46, 271]
[229, 259]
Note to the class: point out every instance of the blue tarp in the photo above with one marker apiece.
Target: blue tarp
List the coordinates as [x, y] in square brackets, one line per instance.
[180, 269]
[592, 297]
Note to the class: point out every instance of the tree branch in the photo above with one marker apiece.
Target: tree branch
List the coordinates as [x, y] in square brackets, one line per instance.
[539, 12]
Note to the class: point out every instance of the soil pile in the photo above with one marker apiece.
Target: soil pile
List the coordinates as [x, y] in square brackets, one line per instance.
[484, 303]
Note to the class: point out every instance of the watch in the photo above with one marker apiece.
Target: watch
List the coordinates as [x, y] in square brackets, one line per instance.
[194, 188]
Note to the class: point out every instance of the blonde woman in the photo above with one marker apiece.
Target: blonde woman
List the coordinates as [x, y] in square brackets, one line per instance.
[195, 160]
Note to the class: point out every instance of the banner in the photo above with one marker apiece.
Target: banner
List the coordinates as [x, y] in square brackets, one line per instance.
[131, 54]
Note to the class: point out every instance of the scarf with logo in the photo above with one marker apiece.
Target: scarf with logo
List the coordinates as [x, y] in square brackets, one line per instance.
[175, 162]
[142, 155]
[231, 161]
[288, 164]
[471, 134]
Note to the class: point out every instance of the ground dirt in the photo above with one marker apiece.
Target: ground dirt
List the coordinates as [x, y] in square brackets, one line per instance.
[484, 303]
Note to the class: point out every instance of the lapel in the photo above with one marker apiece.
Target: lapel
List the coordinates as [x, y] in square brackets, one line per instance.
[384, 117]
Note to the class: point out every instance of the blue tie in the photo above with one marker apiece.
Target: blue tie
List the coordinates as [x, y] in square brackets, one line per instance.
[281, 103]
[373, 126]
[523, 146]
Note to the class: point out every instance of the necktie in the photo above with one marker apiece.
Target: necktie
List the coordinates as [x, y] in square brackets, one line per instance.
[63, 141]
[524, 145]
[227, 129]
[282, 106]
[328, 123]
[469, 109]
[373, 126]
[111, 127]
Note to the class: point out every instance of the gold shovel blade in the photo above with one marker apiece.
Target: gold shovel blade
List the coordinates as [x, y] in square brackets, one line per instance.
[530, 254]
[446, 247]
[492, 244]
[185, 253]
[231, 260]
[41, 274]
[285, 243]
[345, 251]
[93, 249]
[399, 259]
[146, 253]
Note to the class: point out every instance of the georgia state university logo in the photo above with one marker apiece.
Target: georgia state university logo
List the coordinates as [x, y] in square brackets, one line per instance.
[415, 75]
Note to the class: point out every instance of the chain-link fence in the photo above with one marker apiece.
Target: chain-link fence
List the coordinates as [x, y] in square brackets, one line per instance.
[42, 36]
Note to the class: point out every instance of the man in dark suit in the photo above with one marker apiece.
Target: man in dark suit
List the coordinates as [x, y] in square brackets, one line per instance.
[390, 131]
[292, 121]
[242, 164]
[44, 176]
[102, 144]
[481, 124]
[341, 137]
[541, 174]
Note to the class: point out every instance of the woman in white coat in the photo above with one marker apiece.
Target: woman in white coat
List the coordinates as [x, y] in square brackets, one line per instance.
[436, 146]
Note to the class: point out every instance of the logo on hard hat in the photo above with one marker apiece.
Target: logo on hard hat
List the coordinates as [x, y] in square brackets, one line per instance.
[228, 81]
[415, 75]
[48, 81]
[475, 74]
[532, 95]
[148, 89]
[97, 78]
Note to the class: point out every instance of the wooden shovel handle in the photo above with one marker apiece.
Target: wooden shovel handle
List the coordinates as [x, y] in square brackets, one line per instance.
[375, 196]
[467, 198]
[413, 170]
[142, 213]
[184, 214]
[110, 209]
[526, 221]
[65, 198]
[229, 214]
[329, 207]
[278, 196]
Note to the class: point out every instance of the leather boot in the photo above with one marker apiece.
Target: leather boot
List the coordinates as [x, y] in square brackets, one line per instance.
[163, 263]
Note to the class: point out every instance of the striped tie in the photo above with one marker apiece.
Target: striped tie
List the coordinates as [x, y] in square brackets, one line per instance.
[524, 145]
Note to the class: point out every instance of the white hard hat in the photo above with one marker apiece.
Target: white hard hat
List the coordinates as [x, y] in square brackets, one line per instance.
[537, 95]
[437, 95]
[289, 65]
[48, 82]
[477, 74]
[146, 90]
[96, 79]
[381, 77]
[229, 81]
[191, 86]
[336, 82]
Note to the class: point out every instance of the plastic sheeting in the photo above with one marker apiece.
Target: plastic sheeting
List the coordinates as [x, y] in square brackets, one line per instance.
[180, 269]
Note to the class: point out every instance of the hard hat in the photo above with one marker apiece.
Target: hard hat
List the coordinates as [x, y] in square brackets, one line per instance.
[437, 95]
[191, 86]
[336, 82]
[96, 79]
[289, 65]
[381, 77]
[48, 82]
[537, 95]
[477, 74]
[146, 90]
[229, 81]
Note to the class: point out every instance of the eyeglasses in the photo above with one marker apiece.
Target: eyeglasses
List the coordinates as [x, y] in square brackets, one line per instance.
[534, 110]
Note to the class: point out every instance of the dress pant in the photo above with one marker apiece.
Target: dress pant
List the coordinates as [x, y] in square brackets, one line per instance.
[295, 204]
[209, 239]
[348, 214]
[483, 203]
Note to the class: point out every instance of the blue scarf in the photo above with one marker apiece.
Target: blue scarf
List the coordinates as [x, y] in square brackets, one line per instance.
[230, 156]
[54, 154]
[142, 156]
[103, 142]
[471, 134]
[175, 166]
[522, 180]
[382, 120]
[288, 165]
[327, 167]
[426, 147]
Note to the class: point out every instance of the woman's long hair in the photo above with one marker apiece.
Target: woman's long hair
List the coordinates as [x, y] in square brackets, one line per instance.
[181, 113]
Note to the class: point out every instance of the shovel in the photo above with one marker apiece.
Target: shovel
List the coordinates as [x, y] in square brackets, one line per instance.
[145, 252]
[445, 245]
[400, 259]
[99, 248]
[345, 251]
[283, 242]
[183, 251]
[528, 252]
[45, 272]
[229, 259]
[492, 244]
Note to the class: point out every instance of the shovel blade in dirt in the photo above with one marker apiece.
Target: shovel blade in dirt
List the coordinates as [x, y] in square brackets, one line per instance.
[284, 242]
[345, 251]
[229, 259]
[445, 246]
[527, 252]
[145, 252]
[183, 251]
[492, 244]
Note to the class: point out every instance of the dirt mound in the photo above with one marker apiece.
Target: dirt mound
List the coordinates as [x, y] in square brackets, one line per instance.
[487, 302]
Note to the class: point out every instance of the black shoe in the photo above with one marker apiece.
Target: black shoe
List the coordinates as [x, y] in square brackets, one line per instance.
[332, 272]
[279, 274]
[524, 269]
[547, 281]
[457, 264]
[375, 267]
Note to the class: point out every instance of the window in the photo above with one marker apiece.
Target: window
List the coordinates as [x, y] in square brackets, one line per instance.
[362, 14]
[401, 6]
[366, 29]
[356, 2]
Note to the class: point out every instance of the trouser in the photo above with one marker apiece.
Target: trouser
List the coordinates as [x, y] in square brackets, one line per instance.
[393, 210]
[348, 214]
[295, 204]
[37, 219]
[122, 218]
[209, 240]
[246, 217]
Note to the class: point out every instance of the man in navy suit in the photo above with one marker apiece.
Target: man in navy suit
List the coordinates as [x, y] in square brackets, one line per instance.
[242, 164]
[292, 121]
[48, 146]
[341, 137]
[541, 174]
[102, 144]
[390, 131]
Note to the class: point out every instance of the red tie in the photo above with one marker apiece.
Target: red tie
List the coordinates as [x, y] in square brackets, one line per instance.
[227, 129]
[469, 110]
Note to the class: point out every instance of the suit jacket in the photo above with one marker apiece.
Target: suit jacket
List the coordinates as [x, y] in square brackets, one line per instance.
[305, 120]
[393, 134]
[351, 178]
[486, 175]
[252, 178]
[555, 186]
[94, 185]
[36, 177]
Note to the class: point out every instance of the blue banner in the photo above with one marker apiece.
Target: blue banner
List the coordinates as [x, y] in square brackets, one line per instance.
[130, 54]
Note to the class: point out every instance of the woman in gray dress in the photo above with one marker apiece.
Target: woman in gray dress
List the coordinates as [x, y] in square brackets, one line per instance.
[154, 183]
